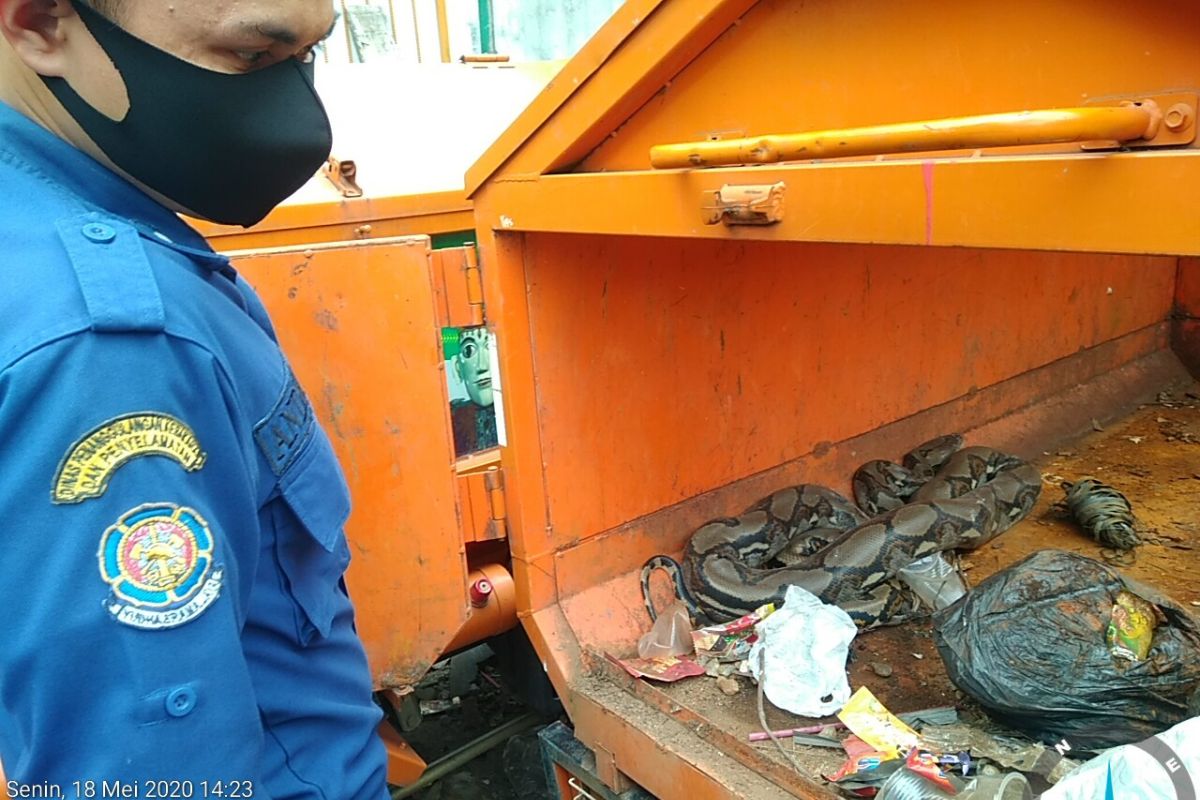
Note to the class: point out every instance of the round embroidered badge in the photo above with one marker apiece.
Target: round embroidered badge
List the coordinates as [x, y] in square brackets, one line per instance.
[157, 559]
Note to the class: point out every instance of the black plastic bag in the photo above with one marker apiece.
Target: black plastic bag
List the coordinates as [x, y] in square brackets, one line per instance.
[1029, 645]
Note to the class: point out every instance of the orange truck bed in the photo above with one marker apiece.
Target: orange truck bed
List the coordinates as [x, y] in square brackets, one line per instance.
[697, 311]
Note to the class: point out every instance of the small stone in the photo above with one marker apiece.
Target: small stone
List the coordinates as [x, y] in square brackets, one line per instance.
[997, 545]
[1096, 426]
[728, 685]
[917, 656]
[881, 668]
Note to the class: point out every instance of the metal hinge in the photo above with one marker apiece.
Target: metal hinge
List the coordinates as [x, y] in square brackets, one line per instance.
[753, 204]
[493, 481]
[343, 174]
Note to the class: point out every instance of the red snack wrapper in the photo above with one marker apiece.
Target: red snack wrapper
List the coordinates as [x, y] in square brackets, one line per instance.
[667, 669]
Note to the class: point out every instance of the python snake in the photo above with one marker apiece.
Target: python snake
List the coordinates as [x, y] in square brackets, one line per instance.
[944, 497]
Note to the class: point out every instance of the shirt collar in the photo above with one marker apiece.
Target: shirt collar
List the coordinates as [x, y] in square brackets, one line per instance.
[74, 173]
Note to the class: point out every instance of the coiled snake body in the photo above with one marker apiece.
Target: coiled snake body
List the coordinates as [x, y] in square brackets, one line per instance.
[944, 497]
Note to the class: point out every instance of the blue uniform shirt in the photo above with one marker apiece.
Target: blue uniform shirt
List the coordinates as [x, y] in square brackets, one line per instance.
[171, 567]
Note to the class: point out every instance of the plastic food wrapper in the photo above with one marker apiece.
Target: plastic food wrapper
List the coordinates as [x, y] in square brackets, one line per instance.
[730, 641]
[1160, 768]
[800, 655]
[866, 766]
[670, 635]
[929, 767]
[1131, 630]
[667, 669]
[875, 725]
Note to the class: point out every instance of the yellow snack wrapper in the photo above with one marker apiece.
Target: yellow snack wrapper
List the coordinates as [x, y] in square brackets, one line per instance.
[867, 718]
[1131, 630]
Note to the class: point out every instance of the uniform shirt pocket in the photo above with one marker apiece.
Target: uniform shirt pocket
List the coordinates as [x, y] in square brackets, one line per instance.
[310, 541]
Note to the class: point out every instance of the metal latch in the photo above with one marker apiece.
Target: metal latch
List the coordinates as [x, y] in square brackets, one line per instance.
[474, 285]
[344, 176]
[493, 481]
[750, 204]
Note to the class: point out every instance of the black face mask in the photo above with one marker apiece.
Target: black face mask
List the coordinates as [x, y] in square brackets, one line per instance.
[226, 147]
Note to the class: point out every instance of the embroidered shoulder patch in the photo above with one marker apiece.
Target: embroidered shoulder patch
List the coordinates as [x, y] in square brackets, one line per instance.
[86, 469]
[157, 559]
[289, 426]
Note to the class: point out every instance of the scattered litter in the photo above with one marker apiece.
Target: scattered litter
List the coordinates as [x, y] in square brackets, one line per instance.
[865, 771]
[800, 655]
[1009, 751]
[728, 685]
[934, 581]
[1131, 629]
[882, 669]
[1102, 512]
[875, 725]
[917, 656]
[939, 715]
[1145, 770]
[1136, 439]
[437, 706]
[1028, 645]
[812, 740]
[731, 641]
[667, 669]
[670, 636]
[907, 784]
[1096, 426]
[928, 766]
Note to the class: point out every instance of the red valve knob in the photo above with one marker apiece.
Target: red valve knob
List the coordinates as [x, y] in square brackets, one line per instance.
[479, 592]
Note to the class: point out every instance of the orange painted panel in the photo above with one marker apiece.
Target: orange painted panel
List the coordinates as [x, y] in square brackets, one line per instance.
[666, 368]
[345, 221]
[359, 325]
[1101, 203]
[790, 67]
[453, 301]
[1187, 289]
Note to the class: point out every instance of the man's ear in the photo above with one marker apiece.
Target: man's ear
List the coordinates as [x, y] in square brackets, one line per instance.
[35, 31]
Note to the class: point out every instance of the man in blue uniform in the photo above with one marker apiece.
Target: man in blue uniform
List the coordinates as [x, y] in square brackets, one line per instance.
[171, 567]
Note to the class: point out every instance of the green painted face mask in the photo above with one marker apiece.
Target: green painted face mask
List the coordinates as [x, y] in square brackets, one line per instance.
[228, 148]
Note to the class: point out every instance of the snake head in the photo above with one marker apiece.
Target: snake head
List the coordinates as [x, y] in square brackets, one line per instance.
[881, 486]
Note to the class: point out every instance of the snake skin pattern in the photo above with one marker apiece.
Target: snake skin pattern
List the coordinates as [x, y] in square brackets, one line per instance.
[943, 497]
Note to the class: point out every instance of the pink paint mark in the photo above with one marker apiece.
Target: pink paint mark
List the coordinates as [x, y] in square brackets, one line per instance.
[927, 173]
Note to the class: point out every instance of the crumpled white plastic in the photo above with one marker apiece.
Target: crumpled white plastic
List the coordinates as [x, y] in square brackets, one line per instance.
[804, 645]
[1135, 774]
